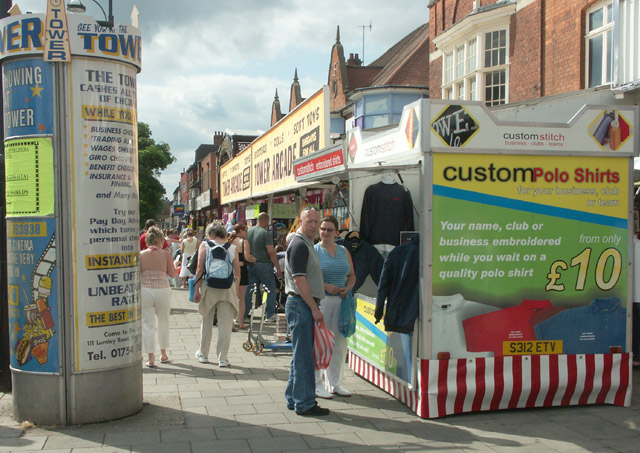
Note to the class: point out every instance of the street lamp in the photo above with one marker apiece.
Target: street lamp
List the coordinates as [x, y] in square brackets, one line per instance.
[76, 6]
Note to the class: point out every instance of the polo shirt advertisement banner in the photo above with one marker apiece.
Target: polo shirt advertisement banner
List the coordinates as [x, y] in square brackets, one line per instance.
[388, 351]
[529, 254]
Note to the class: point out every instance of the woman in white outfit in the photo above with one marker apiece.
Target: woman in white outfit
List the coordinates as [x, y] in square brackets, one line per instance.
[339, 278]
[156, 266]
[214, 301]
[188, 248]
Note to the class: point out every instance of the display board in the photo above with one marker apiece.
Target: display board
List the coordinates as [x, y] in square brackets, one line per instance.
[105, 217]
[387, 351]
[530, 254]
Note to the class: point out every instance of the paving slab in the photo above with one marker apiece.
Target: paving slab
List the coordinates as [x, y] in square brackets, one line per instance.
[194, 407]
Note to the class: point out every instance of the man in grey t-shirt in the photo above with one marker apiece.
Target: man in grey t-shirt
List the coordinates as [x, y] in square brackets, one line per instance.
[305, 288]
[259, 245]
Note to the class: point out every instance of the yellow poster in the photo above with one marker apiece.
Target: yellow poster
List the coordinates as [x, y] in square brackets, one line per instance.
[29, 177]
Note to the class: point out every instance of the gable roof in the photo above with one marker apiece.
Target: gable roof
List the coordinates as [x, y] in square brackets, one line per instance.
[406, 63]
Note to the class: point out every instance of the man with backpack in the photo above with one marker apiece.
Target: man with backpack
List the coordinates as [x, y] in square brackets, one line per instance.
[259, 244]
[216, 290]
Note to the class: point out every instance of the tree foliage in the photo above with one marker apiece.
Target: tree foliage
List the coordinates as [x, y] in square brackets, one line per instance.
[152, 158]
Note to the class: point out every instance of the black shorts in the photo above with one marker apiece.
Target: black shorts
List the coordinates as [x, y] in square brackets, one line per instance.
[244, 276]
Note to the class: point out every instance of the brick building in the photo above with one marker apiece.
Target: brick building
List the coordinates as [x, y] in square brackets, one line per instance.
[508, 51]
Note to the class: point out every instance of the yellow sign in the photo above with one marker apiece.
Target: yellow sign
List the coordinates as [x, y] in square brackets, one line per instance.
[56, 33]
[29, 177]
[111, 318]
[532, 347]
[235, 178]
[27, 229]
[590, 184]
[302, 132]
[112, 261]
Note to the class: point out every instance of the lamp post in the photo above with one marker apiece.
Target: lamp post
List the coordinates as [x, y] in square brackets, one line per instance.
[76, 6]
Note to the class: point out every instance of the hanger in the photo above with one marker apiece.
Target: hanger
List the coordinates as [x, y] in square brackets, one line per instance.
[353, 236]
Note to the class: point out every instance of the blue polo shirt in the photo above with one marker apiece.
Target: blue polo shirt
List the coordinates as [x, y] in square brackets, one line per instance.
[590, 329]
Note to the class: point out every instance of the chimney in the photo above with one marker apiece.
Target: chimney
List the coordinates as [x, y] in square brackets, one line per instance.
[217, 138]
[357, 61]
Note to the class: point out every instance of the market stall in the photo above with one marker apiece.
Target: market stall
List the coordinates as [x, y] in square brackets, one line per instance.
[524, 265]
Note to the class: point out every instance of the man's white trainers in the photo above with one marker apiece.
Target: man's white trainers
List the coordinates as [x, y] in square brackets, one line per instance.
[201, 357]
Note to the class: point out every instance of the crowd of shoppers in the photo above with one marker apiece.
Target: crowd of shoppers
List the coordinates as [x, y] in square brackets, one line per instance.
[315, 279]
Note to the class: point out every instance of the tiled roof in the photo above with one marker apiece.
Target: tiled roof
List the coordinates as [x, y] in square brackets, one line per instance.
[361, 76]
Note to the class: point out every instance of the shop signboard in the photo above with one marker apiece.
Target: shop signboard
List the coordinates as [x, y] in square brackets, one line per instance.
[387, 351]
[105, 218]
[235, 178]
[300, 133]
[400, 143]
[530, 250]
[320, 164]
[178, 209]
[283, 211]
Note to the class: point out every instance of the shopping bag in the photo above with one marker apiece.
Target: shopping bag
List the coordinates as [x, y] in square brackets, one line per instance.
[323, 341]
[347, 322]
[192, 288]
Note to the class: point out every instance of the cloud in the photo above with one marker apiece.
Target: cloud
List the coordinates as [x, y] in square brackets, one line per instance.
[209, 65]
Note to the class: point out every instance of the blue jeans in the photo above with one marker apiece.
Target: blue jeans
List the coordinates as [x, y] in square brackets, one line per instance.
[262, 273]
[301, 388]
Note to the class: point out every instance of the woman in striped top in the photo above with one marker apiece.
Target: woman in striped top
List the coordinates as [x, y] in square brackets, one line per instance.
[339, 278]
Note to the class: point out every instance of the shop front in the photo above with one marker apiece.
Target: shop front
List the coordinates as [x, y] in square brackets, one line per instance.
[522, 284]
[261, 178]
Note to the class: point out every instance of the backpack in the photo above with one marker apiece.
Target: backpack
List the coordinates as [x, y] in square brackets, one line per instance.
[218, 269]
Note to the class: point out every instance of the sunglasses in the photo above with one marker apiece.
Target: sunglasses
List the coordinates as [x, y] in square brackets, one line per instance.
[328, 230]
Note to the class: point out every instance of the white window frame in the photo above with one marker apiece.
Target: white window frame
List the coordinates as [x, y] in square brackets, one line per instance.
[470, 32]
[606, 30]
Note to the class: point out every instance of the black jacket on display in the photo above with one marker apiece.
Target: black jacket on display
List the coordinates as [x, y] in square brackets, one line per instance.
[400, 288]
[366, 260]
[387, 210]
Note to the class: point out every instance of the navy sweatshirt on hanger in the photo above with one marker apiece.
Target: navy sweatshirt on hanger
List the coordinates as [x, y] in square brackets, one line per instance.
[399, 288]
[387, 210]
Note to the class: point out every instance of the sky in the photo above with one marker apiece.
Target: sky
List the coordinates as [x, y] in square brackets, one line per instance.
[212, 65]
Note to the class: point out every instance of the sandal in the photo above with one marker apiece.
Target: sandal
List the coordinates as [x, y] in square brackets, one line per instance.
[167, 360]
[234, 329]
[149, 365]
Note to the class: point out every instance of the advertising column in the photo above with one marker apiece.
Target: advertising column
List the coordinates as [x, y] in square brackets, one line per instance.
[72, 216]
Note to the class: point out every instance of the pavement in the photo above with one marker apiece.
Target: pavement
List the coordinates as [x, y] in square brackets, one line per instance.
[194, 407]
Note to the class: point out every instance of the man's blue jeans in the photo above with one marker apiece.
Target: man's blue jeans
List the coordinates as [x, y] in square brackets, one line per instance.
[301, 388]
[262, 273]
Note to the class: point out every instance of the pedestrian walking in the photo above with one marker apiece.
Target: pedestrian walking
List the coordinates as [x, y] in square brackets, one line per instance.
[212, 294]
[156, 267]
